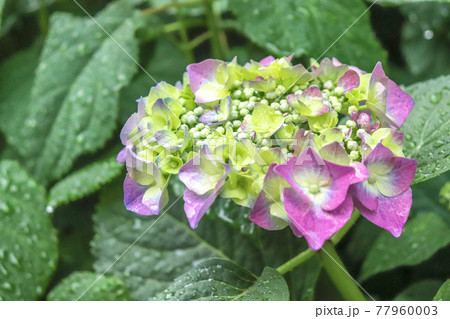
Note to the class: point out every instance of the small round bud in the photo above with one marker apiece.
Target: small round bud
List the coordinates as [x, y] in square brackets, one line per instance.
[264, 101]
[328, 85]
[236, 124]
[250, 106]
[200, 126]
[197, 135]
[275, 105]
[237, 83]
[253, 99]
[198, 111]
[284, 107]
[354, 155]
[248, 92]
[243, 112]
[234, 115]
[339, 91]
[352, 145]
[352, 109]
[242, 105]
[220, 129]
[271, 95]
[350, 123]
[237, 94]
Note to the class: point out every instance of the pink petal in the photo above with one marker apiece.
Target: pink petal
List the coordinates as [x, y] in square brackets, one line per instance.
[267, 60]
[349, 80]
[392, 212]
[399, 179]
[260, 214]
[315, 224]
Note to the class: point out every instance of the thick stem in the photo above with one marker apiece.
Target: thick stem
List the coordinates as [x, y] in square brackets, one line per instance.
[183, 33]
[216, 44]
[335, 268]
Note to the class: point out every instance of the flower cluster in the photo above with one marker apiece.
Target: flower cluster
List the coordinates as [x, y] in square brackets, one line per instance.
[300, 148]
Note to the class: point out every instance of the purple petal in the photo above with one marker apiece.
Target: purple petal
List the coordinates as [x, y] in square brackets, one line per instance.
[134, 198]
[203, 172]
[260, 214]
[341, 176]
[267, 60]
[196, 205]
[122, 156]
[336, 62]
[209, 117]
[201, 74]
[142, 104]
[305, 167]
[399, 104]
[392, 212]
[349, 80]
[302, 140]
[316, 224]
[361, 173]
[399, 179]
[380, 161]
[313, 92]
[129, 126]
[366, 194]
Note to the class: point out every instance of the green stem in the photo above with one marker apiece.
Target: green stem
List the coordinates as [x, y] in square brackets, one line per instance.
[297, 260]
[216, 44]
[308, 253]
[183, 33]
[199, 39]
[344, 230]
[43, 17]
[339, 274]
[153, 10]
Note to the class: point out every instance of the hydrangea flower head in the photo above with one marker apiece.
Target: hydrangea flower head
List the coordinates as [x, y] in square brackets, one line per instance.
[300, 148]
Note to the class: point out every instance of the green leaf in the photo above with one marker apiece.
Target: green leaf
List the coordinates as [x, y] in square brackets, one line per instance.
[311, 27]
[425, 39]
[16, 83]
[443, 293]
[28, 244]
[167, 248]
[400, 2]
[89, 287]
[427, 129]
[422, 236]
[218, 279]
[419, 291]
[83, 182]
[74, 100]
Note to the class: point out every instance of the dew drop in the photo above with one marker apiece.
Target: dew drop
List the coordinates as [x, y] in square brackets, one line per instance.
[50, 209]
[435, 97]
[428, 34]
